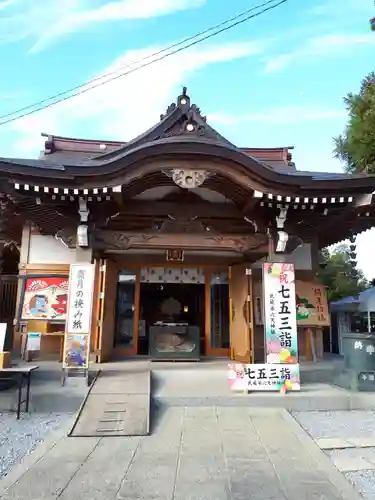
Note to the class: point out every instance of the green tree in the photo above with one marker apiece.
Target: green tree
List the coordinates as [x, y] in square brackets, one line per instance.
[356, 146]
[337, 274]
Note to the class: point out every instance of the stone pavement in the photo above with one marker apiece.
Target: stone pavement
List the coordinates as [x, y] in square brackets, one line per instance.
[348, 438]
[193, 454]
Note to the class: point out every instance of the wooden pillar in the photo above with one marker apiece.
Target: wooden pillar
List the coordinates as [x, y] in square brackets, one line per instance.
[307, 344]
[207, 313]
[24, 259]
[137, 312]
[310, 345]
[96, 304]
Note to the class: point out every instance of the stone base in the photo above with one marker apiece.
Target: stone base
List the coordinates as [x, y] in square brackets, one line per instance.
[354, 381]
[5, 359]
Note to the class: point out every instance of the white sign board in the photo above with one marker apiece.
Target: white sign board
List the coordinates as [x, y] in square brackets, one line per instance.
[33, 341]
[265, 377]
[3, 332]
[81, 288]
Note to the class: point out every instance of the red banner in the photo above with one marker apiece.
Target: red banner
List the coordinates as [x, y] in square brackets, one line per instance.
[45, 298]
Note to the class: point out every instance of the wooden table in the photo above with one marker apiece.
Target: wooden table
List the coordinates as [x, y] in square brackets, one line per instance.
[22, 374]
[24, 352]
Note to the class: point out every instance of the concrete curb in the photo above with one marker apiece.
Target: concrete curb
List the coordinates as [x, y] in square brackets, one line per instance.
[35, 456]
[346, 489]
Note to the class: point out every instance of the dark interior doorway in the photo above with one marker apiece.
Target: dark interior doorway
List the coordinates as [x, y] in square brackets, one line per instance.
[171, 302]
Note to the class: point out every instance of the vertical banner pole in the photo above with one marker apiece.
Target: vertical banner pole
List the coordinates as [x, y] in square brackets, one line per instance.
[250, 310]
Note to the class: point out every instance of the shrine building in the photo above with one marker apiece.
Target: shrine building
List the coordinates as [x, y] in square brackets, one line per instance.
[178, 222]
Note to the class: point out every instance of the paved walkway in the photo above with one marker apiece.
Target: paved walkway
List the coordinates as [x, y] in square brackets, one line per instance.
[193, 454]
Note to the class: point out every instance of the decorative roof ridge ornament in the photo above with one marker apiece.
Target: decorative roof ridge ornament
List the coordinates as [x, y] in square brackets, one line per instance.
[192, 111]
[183, 101]
[188, 178]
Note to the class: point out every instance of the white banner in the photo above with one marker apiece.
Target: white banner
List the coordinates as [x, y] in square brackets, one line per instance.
[266, 377]
[280, 316]
[81, 288]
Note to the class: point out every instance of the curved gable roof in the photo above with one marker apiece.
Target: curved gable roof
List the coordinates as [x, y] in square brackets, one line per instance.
[181, 132]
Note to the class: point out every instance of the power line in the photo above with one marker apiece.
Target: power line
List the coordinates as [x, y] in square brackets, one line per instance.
[143, 59]
[204, 35]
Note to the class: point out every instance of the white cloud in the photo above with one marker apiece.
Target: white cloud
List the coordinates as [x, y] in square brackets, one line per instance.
[45, 22]
[320, 46]
[365, 253]
[5, 3]
[11, 96]
[348, 9]
[284, 115]
[127, 106]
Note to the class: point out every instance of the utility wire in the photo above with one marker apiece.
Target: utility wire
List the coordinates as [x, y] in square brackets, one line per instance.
[143, 59]
[160, 55]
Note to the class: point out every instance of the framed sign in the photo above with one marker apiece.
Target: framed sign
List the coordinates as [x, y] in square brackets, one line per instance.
[45, 298]
[312, 304]
[76, 351]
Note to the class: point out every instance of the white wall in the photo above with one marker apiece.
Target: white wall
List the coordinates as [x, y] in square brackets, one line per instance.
[49, 250]
[301, 258]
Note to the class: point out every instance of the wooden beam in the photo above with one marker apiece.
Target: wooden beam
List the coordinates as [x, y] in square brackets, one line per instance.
[120, 241]
[250, 205]
[187, 210]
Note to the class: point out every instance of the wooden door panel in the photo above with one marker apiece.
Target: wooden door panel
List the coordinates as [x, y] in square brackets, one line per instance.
[211, 349]
[240, 314]
[108, 298]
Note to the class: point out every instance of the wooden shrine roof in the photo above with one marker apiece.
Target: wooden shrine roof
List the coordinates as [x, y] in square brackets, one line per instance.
[182, 132]
[255, 183]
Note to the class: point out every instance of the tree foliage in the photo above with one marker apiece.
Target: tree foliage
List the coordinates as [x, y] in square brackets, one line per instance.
[356, 146]
[338, 276]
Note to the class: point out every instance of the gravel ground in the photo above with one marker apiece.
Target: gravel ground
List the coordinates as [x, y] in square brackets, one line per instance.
[344, 425]
[364, 482]
[20, 437]
[337, 424]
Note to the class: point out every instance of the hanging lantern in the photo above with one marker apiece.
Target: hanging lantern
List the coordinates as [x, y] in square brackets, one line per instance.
[372, 24]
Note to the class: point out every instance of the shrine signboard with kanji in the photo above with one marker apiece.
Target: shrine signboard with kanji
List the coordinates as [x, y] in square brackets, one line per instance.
[280, 322]
[266, 377]
[81, 284]
[312, 304]
[78, 323]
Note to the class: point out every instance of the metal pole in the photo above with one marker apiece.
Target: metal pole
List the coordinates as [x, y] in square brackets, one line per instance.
[369, 321]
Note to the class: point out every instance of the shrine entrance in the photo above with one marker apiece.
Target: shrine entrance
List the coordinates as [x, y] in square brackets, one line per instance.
[180, 312]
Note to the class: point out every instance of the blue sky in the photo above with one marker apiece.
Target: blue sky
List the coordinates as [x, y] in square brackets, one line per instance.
[277, 80]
